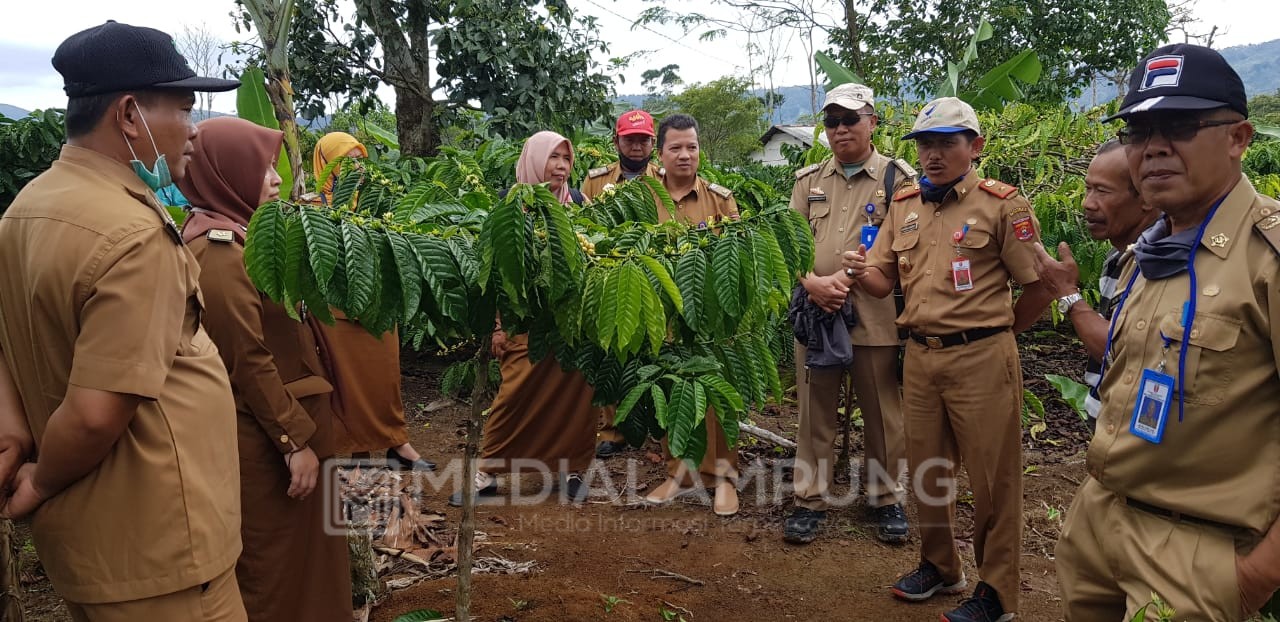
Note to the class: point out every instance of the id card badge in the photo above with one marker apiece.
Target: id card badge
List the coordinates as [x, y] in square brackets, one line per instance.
[1152, 410]
[960, 274]
[869, 235]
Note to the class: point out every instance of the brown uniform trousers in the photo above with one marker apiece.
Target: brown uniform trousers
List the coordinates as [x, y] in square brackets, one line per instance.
[1170, 517]
[703, 206]
[99, 292]
[836, 209]
[596, 182]
[963, 401]
[292, 567]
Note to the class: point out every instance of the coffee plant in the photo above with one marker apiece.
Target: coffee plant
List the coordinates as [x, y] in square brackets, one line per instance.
[668, 321]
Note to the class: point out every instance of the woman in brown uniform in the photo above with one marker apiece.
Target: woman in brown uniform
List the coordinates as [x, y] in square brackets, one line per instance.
[365, 370]
[541, 412]
[290, 568]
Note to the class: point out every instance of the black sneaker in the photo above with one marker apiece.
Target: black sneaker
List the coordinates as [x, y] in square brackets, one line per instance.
[802, 526]
[573, 489]
[983, 606]
[609, 449]
[925, 581]
[891, 523]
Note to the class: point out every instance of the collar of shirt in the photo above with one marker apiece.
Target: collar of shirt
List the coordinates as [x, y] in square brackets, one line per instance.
[872, 167]
[963, 190]
[116, 172]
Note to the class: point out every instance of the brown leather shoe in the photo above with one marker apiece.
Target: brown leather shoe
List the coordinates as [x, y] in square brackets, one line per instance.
[726, 502]
[667, 491]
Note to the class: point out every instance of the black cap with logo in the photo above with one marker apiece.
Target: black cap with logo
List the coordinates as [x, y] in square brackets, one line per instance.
[118, 57]
[1183, 77]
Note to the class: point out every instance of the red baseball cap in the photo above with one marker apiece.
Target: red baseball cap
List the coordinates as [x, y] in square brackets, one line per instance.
[634, 122]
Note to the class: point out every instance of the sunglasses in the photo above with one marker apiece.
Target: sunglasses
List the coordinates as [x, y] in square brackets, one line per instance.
[849, 119]
[1174, 132]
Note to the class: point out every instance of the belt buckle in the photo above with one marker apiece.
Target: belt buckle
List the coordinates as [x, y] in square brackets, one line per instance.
[933, 342]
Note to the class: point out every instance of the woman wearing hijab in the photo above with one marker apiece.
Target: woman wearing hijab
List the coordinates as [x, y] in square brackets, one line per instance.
[290, 568]
[541, 413]
[365, 370]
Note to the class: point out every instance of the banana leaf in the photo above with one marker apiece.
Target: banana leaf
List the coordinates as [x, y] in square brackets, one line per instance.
[1000, 85]
[252, 104]
[837, 74]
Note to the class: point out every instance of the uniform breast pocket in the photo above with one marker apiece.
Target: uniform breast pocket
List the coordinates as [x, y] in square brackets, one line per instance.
[819, 221]
[1210, 360]
[977, 242]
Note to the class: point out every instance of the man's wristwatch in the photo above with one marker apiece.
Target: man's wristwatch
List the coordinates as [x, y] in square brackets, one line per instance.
[1065, 302]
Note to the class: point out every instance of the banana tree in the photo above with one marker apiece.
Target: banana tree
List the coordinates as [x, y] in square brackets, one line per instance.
[271, 19]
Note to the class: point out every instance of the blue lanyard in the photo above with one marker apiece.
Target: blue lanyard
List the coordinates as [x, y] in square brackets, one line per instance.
[1188, 311]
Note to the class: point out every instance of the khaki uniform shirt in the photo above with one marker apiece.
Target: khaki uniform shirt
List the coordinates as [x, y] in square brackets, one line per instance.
[598, 178]
[917, 240]
[273, 359]
[1219, 462]
[703, 206]
[836, 209]
[98, 292]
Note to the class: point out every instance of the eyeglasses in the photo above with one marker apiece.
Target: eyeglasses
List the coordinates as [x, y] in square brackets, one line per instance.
[1174, 132]
[849, 119]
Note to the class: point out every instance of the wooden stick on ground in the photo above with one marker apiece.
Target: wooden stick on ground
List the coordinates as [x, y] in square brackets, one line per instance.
[658, 573]
[766, 435]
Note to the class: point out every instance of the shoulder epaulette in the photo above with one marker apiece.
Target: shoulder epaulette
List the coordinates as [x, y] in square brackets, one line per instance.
[720, 190]
[1266, 222]
[904, 167]
[596, 172]
[907, 192]
[997, 188]
[221, 235]
[807, 170]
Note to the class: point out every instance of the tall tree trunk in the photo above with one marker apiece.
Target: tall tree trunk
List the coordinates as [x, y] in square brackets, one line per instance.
[855, 34]
[415, 125]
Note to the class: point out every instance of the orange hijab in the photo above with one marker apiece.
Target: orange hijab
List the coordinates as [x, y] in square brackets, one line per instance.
[330, 147]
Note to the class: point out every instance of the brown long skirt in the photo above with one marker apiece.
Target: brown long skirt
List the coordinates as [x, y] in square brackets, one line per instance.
[365, 372]
[290, 568]
[541, 413]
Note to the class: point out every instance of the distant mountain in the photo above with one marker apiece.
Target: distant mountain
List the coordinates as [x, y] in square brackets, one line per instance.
[1257, 64]
[13, 112]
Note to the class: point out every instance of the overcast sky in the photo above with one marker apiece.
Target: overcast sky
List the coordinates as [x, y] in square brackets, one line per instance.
[30, 31]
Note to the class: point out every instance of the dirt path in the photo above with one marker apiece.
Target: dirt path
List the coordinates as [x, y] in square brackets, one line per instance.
[585, 555]
[588, 554]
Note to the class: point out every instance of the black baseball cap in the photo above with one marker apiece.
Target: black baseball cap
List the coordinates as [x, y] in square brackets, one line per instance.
[118, 57]
[1183, 77]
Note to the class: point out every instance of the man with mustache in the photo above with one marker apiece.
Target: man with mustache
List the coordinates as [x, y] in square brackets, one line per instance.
[846, 199]
[1184, 503]
[1115, 212]
[955, 241]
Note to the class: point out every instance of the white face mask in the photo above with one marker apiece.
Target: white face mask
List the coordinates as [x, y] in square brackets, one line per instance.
[160, 177]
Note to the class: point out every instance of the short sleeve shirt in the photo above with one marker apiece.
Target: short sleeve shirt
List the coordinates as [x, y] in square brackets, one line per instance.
[98, 291]
[917, 241]
[837, 208]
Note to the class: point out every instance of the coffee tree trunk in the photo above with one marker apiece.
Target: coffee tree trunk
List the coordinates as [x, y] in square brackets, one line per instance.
[415, 126]
[467, 529]
[10, 577]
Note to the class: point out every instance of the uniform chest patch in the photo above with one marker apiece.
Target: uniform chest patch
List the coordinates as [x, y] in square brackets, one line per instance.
[909, 227]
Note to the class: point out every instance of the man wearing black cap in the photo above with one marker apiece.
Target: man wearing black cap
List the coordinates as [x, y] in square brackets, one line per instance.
[135, 492]
[1183, 491]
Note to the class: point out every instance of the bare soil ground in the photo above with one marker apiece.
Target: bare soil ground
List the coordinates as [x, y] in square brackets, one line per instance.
[607, 551]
